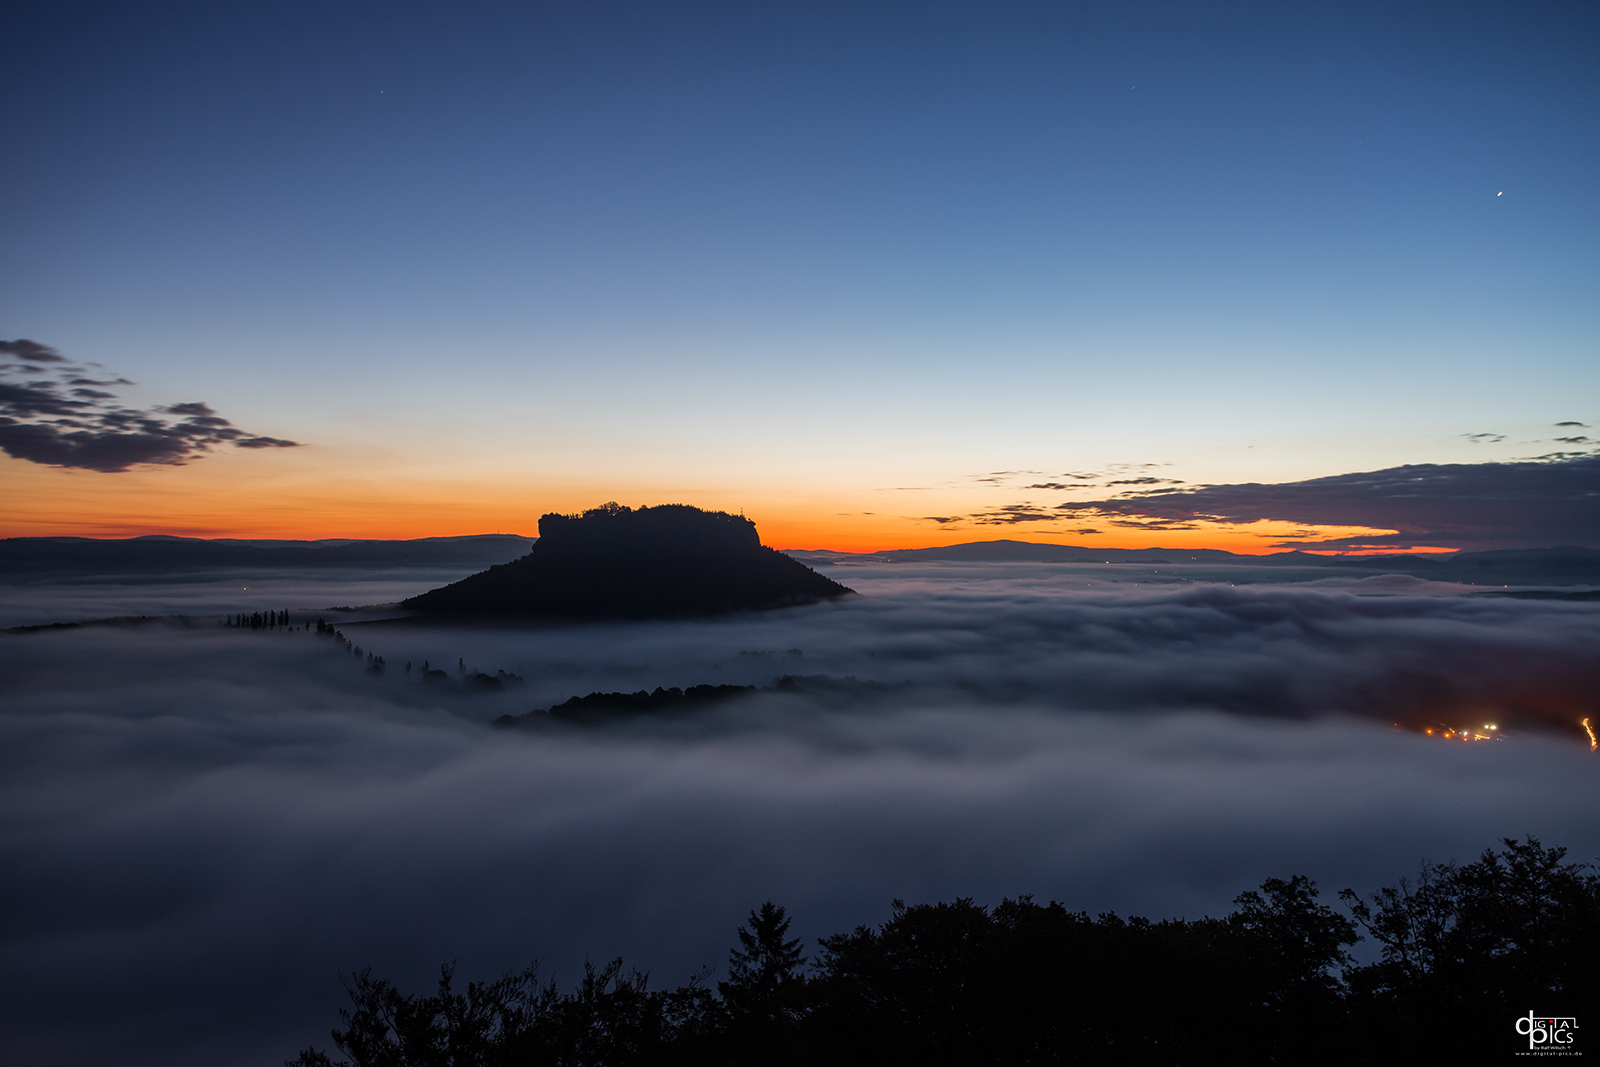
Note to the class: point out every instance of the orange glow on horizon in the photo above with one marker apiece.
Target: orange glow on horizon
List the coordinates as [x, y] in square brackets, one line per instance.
[893, 532]
[309, 496]
[1383, 550]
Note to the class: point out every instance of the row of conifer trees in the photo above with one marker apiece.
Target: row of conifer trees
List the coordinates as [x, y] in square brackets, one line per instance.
[274, 620]
[259, 620]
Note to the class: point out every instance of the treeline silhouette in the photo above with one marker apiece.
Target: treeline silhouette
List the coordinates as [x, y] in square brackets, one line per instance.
[616, 562]
[471, 681]
[375, 663]
[258, 620]
[1466, 950]
[642, 702]
[600, 707]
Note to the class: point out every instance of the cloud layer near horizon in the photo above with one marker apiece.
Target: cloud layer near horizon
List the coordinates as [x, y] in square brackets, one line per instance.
[202, 827]
[60, 414]
[1539, 503]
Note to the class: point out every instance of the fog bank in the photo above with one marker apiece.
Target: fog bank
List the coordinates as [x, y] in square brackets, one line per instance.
[203, 826]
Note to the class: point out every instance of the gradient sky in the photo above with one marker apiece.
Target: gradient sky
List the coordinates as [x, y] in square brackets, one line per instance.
[852, 268]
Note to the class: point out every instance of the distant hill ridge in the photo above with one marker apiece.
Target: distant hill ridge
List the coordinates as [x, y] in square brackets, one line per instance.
[1566, 564]
[26, 556]
[38, 557]
[1002, 551]
[615, 562]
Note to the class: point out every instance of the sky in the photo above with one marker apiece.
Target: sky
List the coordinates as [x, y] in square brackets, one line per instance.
[878, 275]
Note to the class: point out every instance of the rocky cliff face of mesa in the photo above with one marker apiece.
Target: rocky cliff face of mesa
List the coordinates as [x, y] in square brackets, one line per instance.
[615, 562]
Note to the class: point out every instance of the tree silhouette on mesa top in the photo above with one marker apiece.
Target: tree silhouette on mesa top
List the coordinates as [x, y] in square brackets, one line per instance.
[615, 562]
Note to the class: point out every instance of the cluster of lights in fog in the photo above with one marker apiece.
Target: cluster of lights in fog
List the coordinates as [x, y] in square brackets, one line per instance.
[1449, 734]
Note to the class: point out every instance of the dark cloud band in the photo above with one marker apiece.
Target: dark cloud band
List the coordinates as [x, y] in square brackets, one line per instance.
[1551, 501]
[1544, 502]
[61, 417]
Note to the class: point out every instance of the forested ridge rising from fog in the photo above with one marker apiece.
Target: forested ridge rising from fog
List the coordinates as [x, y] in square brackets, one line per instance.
[1465, 950]
[601, 707]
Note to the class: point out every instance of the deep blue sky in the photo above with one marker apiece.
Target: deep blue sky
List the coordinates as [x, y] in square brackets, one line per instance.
[873, 245]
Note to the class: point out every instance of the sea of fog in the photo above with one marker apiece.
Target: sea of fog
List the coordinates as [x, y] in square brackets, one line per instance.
[202, 828]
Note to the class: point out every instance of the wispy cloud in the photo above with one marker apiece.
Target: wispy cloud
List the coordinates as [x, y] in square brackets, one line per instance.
[31, 351]
[1113, 474]
[54, 412]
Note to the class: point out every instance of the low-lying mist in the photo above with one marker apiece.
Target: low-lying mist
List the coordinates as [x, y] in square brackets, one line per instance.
[202, 826]
[67, 598]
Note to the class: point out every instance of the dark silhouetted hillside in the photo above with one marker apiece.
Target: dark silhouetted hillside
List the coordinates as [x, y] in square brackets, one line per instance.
[1528, 566]
[615, 562]
[602, 707]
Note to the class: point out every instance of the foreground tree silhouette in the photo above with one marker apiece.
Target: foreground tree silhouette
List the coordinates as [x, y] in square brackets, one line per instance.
[955, 983]
[1293, 943]
[612, 1019]
[1513, 932]
[388, 1027]
[764, 963]
[1465, 951]
[764, 998]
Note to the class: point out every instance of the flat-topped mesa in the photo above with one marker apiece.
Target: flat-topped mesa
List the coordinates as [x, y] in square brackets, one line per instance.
[671, 529]
[614, 562]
